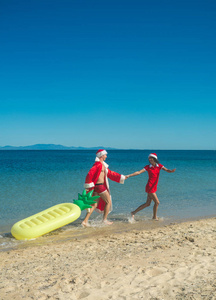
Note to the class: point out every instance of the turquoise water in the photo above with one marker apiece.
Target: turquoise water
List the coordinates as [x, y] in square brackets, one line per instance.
[31, 181]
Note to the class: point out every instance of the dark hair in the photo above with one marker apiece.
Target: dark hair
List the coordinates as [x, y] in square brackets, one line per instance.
[155, 159]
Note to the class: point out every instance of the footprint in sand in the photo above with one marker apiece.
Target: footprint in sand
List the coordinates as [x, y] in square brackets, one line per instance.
[156, 271]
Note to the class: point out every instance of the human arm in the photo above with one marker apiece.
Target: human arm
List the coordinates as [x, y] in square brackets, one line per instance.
[114, 176]
[135, 173]
[92, 177]
[168, 171]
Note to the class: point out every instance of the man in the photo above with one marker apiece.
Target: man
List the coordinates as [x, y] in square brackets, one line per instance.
[97, 179]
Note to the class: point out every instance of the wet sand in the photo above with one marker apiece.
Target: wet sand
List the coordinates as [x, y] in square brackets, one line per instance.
[176, 261]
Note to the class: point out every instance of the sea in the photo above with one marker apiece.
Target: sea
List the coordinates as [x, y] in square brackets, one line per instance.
[31, 181]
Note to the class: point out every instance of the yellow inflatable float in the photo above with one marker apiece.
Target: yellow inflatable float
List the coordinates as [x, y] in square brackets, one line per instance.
[52, 218]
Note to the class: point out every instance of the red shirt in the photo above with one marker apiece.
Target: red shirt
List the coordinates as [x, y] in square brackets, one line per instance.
[153, 172]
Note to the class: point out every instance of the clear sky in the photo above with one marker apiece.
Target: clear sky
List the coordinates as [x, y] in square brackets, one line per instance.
[118, 73]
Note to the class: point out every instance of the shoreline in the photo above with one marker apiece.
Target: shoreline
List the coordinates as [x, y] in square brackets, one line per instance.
[74, 231]
[174, 261]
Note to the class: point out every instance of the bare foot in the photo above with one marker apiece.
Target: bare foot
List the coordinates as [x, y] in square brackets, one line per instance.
[132, 215]
[84, 224]
[131, 218]
[106, 222]
[155, 219]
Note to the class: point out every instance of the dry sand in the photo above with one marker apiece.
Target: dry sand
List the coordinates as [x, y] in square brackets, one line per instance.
[172, 262]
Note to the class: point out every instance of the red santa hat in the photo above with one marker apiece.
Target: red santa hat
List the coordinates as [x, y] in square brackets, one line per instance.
[101, 152]
[153, 155]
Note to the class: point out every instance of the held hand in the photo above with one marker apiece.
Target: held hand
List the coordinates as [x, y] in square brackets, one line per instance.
[172, 171]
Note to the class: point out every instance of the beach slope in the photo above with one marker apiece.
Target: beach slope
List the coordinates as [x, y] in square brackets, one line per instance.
[177, 261]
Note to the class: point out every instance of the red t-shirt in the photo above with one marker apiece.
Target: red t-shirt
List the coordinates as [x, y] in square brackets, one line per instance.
[153, 172]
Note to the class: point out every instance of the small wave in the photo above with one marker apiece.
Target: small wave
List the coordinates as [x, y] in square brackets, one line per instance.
[8, 242]
[97, 224]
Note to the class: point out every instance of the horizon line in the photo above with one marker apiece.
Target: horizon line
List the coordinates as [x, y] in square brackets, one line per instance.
[67, 148]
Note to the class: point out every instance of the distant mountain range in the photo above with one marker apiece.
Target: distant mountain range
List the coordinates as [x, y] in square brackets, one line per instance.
[51, 147]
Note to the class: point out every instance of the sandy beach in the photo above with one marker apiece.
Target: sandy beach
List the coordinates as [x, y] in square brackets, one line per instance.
[177, 261]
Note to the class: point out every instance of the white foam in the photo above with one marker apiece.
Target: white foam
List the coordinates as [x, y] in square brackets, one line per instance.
[131, 220]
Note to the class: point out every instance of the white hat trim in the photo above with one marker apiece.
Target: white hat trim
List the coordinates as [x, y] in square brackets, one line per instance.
[152, 155]
[101, 153]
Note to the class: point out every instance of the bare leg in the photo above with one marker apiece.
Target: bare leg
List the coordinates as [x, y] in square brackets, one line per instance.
[106, 197]
[85, 221]
[148, 202]
[155, 207]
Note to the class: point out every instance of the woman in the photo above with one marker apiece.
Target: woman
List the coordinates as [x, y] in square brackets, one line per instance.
[153, 171]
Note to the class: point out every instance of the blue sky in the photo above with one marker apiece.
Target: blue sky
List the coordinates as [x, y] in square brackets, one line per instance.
[124, 74]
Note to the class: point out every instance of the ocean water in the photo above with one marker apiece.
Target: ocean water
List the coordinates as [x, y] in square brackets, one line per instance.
[31, 181]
